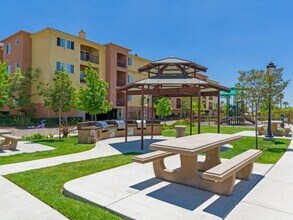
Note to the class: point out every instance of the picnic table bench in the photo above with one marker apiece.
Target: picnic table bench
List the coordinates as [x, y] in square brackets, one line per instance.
[10, 141]
[209, 175]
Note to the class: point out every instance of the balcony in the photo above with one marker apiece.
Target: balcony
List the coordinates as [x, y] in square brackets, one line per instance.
[120, 99]
[121, 82]
[121, 60]
[87, 56]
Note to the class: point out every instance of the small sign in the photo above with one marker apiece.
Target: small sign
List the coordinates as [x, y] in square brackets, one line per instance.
[112, 132]
[129, 131]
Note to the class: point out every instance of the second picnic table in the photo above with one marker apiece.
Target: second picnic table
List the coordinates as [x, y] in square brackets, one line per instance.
[209, 175]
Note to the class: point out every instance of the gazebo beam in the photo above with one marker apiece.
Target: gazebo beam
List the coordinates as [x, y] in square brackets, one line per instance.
[158, 91]
[219, 111]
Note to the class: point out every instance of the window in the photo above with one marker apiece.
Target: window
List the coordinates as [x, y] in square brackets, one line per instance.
[129, 78]
[60, 42]
[16, 65]
[59, 66]
[129, 98]
[81, 77]
[69, 68]
[130, 61]
[8, 68]
[178, 103]
[8, 48]
[70, 44]
[16, 42]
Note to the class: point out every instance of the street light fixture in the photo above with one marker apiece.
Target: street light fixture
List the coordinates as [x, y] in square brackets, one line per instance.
[270, 70]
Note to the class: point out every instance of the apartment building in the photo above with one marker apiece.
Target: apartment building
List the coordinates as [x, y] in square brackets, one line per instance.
[50, 50]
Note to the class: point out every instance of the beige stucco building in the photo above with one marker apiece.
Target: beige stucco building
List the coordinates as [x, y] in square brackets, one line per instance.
[50, 49]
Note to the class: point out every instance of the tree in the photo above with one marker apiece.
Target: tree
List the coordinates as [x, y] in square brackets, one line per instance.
[250, 89]
[4, 83]
[20, 92]
[59, 96]
[92, 97]
[255, 86]
[186, 106]
[285, 104]
[163, 107]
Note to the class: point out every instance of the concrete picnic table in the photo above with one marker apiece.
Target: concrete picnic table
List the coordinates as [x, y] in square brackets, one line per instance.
[189, 148]
[2, 131]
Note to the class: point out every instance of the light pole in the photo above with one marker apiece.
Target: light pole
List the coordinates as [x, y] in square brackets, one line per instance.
[270, 70]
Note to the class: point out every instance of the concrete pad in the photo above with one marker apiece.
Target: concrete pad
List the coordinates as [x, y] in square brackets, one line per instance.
[26, 147]
[133, 191]
[247, 211]
[19, 204]
[274, 194]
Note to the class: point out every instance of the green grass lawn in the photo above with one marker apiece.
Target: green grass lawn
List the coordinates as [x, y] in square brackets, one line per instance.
[209, 129]
[272, 151]
[47, 184]
[64, 146]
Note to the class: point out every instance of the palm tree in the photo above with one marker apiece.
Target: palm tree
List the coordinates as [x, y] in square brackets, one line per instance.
[285, 104]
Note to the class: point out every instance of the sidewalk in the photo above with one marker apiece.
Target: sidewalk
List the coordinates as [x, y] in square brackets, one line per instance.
[272, 197]
[18, 204]
[102, 149]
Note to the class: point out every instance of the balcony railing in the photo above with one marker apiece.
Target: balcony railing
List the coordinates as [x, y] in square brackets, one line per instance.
[121, 63]
[120, 102]
[121, 82]
[86, 56]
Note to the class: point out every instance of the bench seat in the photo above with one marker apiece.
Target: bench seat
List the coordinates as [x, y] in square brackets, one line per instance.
[225, 170]
[152, 156]
[10, 141]
[261, 130]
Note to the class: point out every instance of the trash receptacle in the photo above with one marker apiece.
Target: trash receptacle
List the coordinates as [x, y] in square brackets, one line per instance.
[180, 130]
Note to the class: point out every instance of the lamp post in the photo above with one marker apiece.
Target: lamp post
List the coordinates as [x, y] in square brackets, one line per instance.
[270, 70]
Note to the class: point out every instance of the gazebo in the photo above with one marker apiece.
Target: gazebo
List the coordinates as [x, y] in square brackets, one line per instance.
[172, 77]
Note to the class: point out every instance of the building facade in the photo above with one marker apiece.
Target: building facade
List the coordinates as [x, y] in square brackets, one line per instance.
[49, 50]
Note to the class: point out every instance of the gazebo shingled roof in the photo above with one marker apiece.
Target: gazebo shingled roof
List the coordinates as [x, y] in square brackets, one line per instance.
[171, 65]
[173, 77]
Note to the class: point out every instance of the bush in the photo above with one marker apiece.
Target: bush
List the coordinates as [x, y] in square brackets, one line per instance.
[181, 122]
[35, 136]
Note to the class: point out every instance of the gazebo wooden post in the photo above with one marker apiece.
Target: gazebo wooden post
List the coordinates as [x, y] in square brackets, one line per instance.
[198, 110]
[219, 111]
[142, 114]
[126, 116]
[190, 114]
[152, 118]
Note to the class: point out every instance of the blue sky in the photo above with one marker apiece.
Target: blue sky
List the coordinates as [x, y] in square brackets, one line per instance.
[225, 36]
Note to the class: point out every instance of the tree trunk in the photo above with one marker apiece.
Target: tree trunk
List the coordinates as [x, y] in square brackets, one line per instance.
[256, 134]
[59, 123]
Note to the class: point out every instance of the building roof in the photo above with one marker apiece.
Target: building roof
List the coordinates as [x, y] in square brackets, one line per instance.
[172, 65]
[71, 35]
[21, 31]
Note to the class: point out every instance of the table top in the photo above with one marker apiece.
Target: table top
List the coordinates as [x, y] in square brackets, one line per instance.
[2, 131]
[274, 122]
[194, 144]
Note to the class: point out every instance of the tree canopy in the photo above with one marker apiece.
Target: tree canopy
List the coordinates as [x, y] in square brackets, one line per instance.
[60, 95]
[4, 84]
[92, 97]
[163, 106]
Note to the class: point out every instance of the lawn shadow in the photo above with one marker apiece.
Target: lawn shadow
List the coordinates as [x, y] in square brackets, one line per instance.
[134, 146]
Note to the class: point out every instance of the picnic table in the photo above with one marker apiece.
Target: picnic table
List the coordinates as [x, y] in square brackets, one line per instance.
[2, 131]
[209, 175]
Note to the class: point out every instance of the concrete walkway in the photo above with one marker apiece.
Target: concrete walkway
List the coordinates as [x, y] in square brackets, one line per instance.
[272, 198]
[18, 204]
[101, 149]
